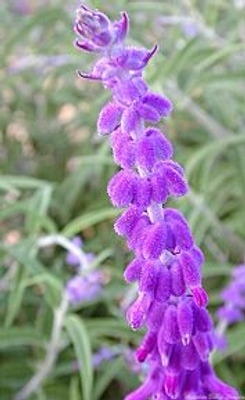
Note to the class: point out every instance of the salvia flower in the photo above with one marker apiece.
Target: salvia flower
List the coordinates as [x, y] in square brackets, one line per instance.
[86, 285]
[233, 297]
[167, 264]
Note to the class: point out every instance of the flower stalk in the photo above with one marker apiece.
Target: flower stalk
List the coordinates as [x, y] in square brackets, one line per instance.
[167, 264]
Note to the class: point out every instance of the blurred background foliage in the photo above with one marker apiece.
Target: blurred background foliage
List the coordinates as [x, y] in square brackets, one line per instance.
[54, 170]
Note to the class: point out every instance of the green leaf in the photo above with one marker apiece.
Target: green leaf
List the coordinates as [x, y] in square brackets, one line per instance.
[213, 149]
[74, 391]
[219, 56]
[19, 336]
[105, 377]
[236, 343]
[87, 220]
[38, 208]
[16, 295]
[81, 342]
[110, 327]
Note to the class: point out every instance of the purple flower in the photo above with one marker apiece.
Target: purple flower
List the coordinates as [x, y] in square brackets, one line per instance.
[233, 297]
[190, 28]
[167, 265]
[84, 288]
[72, 258]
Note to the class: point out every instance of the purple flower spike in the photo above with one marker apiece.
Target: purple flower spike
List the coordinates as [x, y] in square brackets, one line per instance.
[167, 264]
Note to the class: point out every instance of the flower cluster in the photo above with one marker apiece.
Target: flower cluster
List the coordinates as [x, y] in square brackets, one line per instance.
[167, 265]
[233, 297]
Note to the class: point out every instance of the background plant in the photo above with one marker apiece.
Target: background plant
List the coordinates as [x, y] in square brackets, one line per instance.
[55, 169]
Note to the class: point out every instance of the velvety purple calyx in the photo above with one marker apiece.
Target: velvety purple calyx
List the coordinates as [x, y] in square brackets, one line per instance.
[143, 193]
[147, 345]
[169, 331]
[189, 357]
[127, 221]
[159, 188]
[155, 316]
[148, 277]
[155, 241]
[109, 118]
[134, 59]
[133, 271]
[202, 345]
[121, 188]
[163, 147]
[172, 381]
[202, 318]
[123, 148]
[171, 178]
[136, 314]
[178, 287]
[185, 321]
[161, 104]
[192, 277]
[180, 229]
[138, 234]
[163, 286]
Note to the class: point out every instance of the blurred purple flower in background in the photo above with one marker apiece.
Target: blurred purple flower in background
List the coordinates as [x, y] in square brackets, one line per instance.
[88, 285]
[233, 297]
[84, 288]
[168, 264]
[190, 28]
